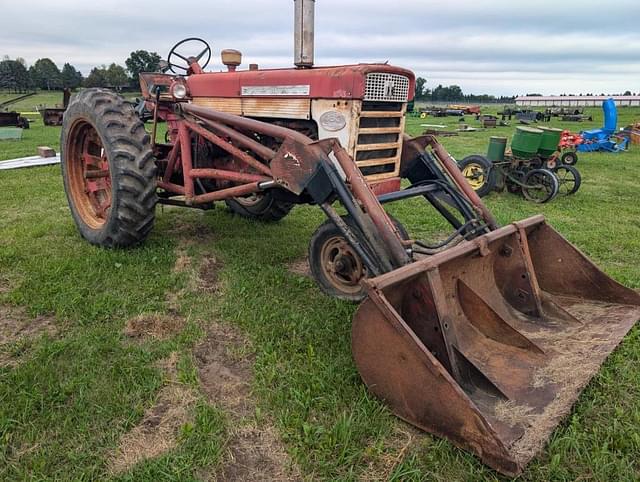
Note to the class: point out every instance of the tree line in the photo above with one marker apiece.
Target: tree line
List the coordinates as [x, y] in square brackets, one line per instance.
[453, 93]
[17, 76]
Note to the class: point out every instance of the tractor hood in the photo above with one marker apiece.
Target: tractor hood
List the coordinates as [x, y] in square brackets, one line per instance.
[342, 82]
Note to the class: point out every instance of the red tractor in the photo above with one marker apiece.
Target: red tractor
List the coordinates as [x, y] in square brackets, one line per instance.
[454, 334]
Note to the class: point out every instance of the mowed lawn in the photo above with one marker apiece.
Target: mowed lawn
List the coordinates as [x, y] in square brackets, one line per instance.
[89, 392]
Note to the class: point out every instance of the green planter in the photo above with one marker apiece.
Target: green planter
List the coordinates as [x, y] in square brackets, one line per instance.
[526, 142]
[550, 140]
[497, 145]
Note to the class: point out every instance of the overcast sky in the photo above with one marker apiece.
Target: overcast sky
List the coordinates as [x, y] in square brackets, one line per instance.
[485, 46]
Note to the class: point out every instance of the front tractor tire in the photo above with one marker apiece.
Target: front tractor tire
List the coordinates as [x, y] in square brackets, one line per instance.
[335, 265]
[108, 169]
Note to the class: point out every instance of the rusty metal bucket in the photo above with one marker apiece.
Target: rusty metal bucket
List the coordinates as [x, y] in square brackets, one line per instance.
[489, 343]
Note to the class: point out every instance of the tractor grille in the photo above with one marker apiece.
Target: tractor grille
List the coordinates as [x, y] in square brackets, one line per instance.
[386, 87]
[379, 139]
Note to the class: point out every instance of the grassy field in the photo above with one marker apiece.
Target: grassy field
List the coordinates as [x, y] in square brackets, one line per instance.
[201, 351]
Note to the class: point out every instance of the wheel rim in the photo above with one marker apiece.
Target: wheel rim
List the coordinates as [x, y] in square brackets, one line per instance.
[569, 158]
[89, 176]
[566, 180]
[540, 187]
[474, 173]
[341, 265]
[250, 200]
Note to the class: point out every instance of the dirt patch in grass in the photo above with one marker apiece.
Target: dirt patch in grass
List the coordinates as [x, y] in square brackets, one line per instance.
[183, 260]
[202, 276]
[17, 327]
[4, 285]
[300, 267]
[154, 325]
[159, 429]
[191, 230]
[224, 363]
[207, 278]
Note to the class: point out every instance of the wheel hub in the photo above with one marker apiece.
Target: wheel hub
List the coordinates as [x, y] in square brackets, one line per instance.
[474, 173]
[341, 265]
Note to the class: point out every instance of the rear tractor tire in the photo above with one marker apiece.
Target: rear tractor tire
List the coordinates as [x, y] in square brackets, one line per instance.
[108, 169]
[335, 265]
[260, 206]
[479, 173]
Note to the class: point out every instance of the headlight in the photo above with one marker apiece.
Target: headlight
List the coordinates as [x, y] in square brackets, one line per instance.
[179, 90]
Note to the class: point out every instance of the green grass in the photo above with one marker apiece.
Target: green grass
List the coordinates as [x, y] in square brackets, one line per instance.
[64, 407]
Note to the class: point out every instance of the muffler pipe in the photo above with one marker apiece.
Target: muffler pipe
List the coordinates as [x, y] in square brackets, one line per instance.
[303, 33]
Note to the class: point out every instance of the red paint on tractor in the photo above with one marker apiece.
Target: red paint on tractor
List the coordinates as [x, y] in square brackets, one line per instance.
[344, 82]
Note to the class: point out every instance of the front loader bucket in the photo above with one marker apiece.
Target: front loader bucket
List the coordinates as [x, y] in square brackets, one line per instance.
[489, 343]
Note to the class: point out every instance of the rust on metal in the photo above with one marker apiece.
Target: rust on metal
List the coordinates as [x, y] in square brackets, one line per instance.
[226, 175]
[187, 164]
[454, 171]
[362, 191]
[489, 343]
[230, 148]
[230, 192]
[242, 140]
[245, 123]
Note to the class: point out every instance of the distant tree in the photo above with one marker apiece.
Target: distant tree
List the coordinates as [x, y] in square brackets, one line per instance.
[141, 61]
[116, 76]
[71, 78]
[420, 83]
[96, 78]
[447, 94]
[627, 92]
[13, 76]
[45, 74]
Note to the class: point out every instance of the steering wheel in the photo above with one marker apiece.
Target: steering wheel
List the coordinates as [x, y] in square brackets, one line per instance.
[188, 59]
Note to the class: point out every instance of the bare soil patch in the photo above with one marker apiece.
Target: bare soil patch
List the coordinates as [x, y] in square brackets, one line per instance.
[207, 278]
[158, 431]
[17, 326]
[190, 230]
[183, 261]
[225, 371]
[154, 325]
[4, 285]
[300, 267]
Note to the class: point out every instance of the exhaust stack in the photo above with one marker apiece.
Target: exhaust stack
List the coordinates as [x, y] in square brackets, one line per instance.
[304, 33]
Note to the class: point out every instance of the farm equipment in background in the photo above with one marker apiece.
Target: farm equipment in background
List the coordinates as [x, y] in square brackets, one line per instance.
[488, 120]
[533, 166]
[481, 336]
[13, 119]
[454, 110]
[604, 139]
[526, 115]
[569, 114]
[466, 109]
[52, 116]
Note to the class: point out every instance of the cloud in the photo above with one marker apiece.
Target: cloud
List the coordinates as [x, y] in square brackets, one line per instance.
[497, 46]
